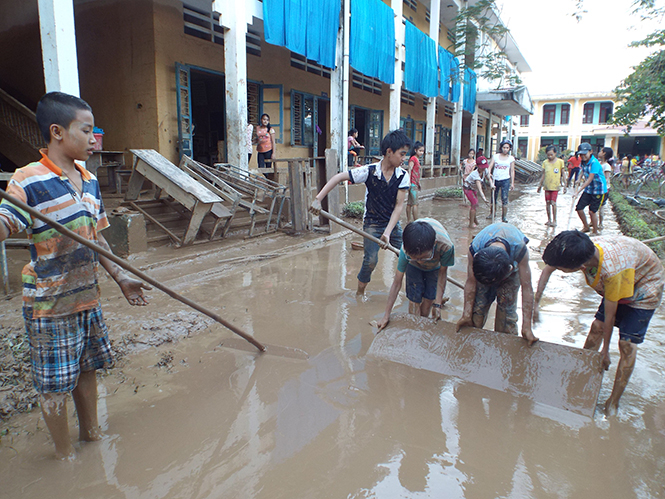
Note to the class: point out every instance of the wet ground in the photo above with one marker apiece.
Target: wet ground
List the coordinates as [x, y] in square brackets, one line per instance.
[193, 418]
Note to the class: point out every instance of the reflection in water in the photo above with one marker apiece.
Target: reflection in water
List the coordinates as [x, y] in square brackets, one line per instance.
[227, 423]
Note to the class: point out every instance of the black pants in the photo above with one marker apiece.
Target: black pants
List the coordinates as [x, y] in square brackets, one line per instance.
[261, 158]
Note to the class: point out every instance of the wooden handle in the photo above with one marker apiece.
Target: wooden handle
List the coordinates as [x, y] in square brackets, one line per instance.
[122, 263]
[374, 239]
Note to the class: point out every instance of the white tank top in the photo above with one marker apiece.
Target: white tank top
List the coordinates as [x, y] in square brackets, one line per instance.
[502, 167]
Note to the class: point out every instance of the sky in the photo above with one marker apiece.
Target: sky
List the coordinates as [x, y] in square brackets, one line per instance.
[567, 56]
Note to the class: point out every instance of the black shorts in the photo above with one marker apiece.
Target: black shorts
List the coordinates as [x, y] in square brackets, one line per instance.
[593, 201]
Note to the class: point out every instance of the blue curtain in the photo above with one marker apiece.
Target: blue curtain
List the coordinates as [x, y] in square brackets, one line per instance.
[469, 90]
[449, 87]
[420, 65]
[306, 27]
[372, 39]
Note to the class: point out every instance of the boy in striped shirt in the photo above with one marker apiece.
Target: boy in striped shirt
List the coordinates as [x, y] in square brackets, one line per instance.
[61, 308]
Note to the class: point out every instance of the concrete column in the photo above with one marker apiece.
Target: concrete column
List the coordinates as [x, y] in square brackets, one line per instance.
[235, 75]
[456, 133]
[473, 136]
[435, 13]
[396, 88]
[339, 91]
[58, 34]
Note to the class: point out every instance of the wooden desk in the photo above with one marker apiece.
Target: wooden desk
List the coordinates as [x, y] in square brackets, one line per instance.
[111, 160]
[167, 177]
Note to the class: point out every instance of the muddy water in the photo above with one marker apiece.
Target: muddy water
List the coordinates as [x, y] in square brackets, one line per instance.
[196, 419]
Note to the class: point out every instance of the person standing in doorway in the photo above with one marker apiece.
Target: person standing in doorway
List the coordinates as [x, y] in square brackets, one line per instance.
[502, 170]
[553, 178]
[414, 155]
[265, 147]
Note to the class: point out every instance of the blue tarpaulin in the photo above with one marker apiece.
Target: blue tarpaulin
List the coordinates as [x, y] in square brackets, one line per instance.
[469, 90]
[306, 27]
[420, 65]
[449, 87]
[372, 39]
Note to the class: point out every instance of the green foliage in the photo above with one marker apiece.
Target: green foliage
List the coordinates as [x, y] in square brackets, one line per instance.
[643, 92]
[448, 192]
[354, 210]
[631, 222]
[489, 62]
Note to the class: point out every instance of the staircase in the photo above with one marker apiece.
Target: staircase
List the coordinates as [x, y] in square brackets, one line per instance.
[20, 138]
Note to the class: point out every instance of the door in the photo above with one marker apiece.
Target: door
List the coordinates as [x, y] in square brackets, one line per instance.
[374, 132]
[183, 92]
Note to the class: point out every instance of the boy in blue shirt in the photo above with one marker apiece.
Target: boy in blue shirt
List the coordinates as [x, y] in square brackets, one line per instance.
[61, 309]
[425, 256]
[387, 186]
[594, 187]
[498, 266]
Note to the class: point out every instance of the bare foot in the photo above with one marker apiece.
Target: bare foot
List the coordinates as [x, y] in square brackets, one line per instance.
[93, 435]
[69, 456]
[611, 408]
[586, 229]
[594, 233]
[548, 224]
[361, 288]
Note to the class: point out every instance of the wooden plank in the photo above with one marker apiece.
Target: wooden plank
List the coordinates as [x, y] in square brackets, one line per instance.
[156, 222]
[172, 177]
[556, 375]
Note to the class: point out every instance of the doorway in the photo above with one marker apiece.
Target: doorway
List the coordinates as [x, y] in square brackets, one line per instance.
[369, 123]
[201, 114]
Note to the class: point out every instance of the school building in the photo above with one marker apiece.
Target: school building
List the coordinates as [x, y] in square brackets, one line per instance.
[185, 77]
[568, 120]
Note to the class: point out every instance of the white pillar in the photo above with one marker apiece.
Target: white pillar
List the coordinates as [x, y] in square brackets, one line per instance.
[235, 75]
[339, 91]
[456, 133]
[435, 9]
[474, 130]
[58, 34]
[396, 88]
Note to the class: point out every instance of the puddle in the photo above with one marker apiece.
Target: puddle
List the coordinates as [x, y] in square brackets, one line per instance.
[193, 418]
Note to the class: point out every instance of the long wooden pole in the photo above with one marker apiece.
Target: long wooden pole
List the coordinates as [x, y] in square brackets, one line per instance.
[122, 263]
[355, 229]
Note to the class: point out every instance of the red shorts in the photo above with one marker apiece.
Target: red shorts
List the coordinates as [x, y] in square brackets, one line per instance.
[551, 196]
[471, 196]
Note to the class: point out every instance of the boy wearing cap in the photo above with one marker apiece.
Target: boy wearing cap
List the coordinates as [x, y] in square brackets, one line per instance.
[594, 188]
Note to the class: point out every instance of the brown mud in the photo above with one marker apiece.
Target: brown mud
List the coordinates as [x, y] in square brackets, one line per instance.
[186, 416]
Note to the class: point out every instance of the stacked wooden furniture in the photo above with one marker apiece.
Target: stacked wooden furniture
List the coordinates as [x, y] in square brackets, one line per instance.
[178, 205]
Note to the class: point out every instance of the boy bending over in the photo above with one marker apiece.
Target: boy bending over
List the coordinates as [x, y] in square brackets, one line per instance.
[629, 277]
[61, 308]
[425, 256]
[387, 185]
[498, 266]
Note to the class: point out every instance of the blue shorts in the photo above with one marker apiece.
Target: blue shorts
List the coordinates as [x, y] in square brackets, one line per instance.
[632, 322]
[421, 283]
[63, 347]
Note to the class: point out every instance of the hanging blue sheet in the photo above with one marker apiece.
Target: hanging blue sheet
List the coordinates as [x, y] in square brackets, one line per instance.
[372, 39]
[449, 87]
[470, 83]
[306, 27]
[420, 65]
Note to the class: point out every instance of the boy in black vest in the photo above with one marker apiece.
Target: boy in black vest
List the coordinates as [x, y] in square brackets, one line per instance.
[387, 186]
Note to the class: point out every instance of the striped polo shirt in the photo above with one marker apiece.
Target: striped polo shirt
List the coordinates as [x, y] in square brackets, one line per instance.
[61, 278]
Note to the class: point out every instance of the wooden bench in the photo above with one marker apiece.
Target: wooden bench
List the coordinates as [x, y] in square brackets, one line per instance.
[169, 179]
[259, 194]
